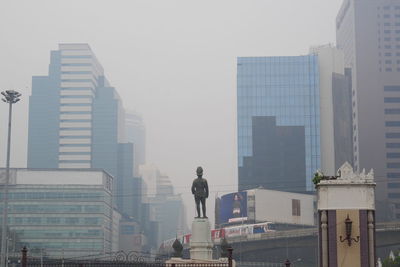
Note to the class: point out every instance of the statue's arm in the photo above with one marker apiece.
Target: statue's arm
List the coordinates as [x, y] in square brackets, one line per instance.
[206, 188]
[193, 188]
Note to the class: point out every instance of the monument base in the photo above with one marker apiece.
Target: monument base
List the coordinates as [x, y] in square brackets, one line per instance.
[200, 241]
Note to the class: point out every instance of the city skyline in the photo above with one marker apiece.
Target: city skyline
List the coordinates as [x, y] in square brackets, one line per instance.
[202, 51]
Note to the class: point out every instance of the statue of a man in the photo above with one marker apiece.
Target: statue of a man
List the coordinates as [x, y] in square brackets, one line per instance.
[200, 192]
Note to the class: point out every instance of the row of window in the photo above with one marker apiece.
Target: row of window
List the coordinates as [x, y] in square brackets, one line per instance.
[76, 104]
[393, 185]
[75, 128]
[389, 54]
[56, 195]
[390, 24]
[75, 145]
[393, 165]
[42, 234]
[74, 153]
[76, 120]
[76, 96]
[386, 16]
[393, 175]
[392, 110]
[76, 56]
[392, 99]
[55, 221]
[391, 88]
[389, 69]
[392, 145]
[66, 245]
[74, 161]
[389, 7]
[56, 208]
[392, 135]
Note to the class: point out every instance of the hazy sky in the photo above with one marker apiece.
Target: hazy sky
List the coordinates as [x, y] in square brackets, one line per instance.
[174, 61]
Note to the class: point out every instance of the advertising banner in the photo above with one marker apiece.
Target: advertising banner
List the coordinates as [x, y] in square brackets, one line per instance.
[233, 208]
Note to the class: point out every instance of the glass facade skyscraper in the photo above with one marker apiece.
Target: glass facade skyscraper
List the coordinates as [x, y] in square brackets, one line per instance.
[278, 108]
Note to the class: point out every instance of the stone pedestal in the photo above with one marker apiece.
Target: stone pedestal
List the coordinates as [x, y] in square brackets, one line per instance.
[200, 241]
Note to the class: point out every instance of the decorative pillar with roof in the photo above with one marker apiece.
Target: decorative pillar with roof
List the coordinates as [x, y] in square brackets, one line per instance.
[346, 208]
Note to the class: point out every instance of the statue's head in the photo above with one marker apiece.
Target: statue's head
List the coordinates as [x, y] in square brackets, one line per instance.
[199, 171]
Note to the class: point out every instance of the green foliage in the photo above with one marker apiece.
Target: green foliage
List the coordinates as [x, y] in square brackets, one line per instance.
[388, 262]
[318, 176]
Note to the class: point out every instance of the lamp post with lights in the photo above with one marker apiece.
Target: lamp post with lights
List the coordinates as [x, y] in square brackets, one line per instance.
[11, 97]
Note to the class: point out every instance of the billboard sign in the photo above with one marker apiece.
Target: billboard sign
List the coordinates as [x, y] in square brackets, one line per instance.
[233, 208]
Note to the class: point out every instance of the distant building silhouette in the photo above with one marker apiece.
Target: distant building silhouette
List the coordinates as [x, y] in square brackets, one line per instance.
[136, 134]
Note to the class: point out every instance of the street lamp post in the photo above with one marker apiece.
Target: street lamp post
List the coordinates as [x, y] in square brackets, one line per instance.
[10, 97]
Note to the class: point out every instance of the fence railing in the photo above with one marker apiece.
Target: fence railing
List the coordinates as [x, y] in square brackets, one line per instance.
[119, 260]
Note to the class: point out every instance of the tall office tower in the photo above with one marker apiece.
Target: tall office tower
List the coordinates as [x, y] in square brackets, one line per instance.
[368, 31]
[136, 134]
[76, 120]
[283, 103]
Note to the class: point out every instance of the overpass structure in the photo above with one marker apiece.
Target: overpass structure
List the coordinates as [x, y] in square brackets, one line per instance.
[300, 245]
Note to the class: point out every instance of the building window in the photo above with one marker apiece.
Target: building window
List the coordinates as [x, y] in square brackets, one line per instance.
[392, 155]
[393, 88]
[392, 135]
[296, 207]
[392, 145]
[393, 175]
[393, 185]
[394, 195]
[34, 220]
[392, 110]
[393, 165]
[392, 123]
[388, 69]
[52, 220]
[388, 62]
[71, 220]
[392, 99]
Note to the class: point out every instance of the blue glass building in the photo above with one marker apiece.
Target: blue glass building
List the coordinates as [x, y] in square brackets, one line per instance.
[278, 122]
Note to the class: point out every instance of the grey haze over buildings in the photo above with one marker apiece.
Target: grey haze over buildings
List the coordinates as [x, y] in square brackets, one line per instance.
[174, 62]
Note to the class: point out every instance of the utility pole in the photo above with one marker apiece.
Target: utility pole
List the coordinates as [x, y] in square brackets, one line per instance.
[10, 97]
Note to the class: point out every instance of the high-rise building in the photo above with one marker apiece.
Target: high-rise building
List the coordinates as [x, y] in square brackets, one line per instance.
[76, 120]
[136, 134]
[368, 32]
[287, 125]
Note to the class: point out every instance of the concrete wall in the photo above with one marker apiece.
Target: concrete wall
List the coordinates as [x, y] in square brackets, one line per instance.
[276, 206]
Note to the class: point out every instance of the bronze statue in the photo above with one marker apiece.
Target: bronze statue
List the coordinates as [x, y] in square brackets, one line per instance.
[200, 192]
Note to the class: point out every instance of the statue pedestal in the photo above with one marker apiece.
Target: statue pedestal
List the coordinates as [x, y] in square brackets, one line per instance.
[200, 241]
